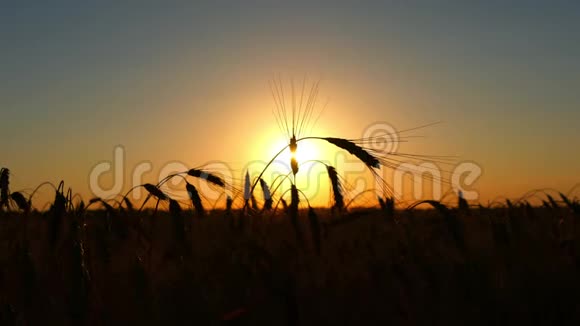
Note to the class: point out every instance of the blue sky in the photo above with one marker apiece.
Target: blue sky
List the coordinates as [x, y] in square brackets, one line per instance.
[78, 79]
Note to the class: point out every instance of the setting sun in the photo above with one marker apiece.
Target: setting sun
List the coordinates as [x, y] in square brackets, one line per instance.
[290, 162]
[306, 153]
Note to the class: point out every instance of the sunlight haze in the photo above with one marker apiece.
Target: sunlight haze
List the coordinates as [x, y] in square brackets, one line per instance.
[188, 83]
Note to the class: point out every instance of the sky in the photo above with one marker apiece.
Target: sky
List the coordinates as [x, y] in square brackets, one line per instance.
[184, 83]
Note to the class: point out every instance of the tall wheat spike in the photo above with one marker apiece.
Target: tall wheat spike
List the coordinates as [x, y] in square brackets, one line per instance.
[57, 211]
[247, 187]
[195, 199]
[295, 118]
[267, 195]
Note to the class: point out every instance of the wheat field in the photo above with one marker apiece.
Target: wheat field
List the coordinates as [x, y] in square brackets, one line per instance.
[439, 265]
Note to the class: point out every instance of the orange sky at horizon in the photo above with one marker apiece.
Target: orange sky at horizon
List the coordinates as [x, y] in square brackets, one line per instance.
[188, 86]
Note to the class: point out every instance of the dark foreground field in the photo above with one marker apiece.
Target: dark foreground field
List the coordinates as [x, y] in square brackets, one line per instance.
[517, 265]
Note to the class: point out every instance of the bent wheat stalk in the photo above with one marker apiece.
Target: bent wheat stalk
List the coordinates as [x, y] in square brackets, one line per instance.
[197, 173]
[20, 201]
[155, 192]
[354, 149]
[209, 177]
[364, 156]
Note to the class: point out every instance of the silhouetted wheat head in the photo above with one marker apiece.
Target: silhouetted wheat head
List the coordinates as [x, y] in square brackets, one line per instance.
[296, 112]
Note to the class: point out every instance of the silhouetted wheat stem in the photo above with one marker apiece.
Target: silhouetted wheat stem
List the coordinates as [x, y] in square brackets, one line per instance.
[255, 183]
[295, 199]
[197, 173]
[267, 195]
[4, 191]
[315, 230]
[56, 213]
[452, 222]
[178, 223]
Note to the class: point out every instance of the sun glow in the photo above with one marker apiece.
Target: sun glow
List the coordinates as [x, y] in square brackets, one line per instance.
[306, 152]
[311, 178]
[302, 163]
[309, 152]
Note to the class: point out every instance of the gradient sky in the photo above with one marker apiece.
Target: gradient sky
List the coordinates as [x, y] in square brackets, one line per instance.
[189, 82]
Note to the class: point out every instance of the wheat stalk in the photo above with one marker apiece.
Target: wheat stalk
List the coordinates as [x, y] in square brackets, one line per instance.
[229, 202]
[294, 201]
[254, 202]
[128, 204]
[247, 189]
[572, 205]
[80, 209]
[155, 192]
[462, 204]
[284, 204]
[195, 199]
[336, 189]
[553, 202]
[453, 223]
[57, 211]
[315, 229]
[354, 149]
[20, 201]
[267, 195]
[388, 206]
[209, 177]
[4, 192]
[178, 223]
[80, 278]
